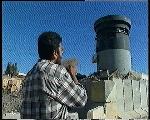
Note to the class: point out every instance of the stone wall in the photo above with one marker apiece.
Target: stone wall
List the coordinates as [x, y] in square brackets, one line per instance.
[123, 98]
[133, 103]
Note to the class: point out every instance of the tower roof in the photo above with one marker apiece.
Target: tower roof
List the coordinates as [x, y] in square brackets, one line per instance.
[112, 18]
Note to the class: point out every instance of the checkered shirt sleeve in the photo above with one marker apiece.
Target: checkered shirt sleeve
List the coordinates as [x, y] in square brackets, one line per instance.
[69, 93]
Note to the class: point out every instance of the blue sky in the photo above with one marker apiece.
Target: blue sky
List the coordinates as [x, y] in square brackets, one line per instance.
[23, 22]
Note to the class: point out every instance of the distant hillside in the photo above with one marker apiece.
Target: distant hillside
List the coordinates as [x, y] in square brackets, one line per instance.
[11, 93]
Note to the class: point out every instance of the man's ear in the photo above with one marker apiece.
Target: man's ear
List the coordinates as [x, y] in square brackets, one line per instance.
[55, 54]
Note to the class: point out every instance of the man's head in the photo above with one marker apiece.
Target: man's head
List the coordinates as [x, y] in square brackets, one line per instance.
[49, 47]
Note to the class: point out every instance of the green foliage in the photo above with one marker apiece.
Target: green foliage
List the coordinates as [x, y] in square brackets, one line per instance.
[11, 69]
[8, 68]
[15, 70]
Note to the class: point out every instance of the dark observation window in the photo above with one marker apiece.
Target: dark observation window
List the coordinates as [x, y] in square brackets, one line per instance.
[111, 31]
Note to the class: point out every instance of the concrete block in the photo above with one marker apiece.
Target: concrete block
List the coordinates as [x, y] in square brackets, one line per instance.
[134, 114]
[97, 91]
[89, 115]
[128, 95]
[119, 95]
[145, 109]
[129, 115]
[96, 113]
[141, 112]
[111, 110]
[109, 90]
[136, 94]
[143, 94]
[125, 115]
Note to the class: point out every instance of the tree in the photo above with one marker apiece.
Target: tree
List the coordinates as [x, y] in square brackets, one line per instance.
[11, 69]
[15, 69]
[8, 68]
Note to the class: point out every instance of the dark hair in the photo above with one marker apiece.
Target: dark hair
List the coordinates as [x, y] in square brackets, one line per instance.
[48, 42]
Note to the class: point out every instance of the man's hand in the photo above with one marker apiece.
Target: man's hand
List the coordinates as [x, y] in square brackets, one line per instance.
[72, 70]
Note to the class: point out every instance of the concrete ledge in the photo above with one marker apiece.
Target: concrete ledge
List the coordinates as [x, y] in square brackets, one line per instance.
[142, 113]
[129, 115]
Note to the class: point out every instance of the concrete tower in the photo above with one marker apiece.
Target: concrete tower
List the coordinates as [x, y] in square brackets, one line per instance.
[112, 43]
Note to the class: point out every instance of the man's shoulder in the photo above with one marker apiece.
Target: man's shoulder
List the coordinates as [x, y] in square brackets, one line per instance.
[55, 67]
[43, 65]
[52, 68]
[61, 68]
[60, 71]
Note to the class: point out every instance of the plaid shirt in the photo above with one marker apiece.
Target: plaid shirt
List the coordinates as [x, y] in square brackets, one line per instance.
[48, 91]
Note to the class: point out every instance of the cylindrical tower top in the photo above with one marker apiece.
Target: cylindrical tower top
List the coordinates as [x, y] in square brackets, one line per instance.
[112, 20]
[112, 43]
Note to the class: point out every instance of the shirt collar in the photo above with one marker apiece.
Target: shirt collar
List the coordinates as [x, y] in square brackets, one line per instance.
[44, 60]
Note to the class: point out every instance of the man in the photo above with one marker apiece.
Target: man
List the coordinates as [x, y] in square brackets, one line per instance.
[49, 88]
